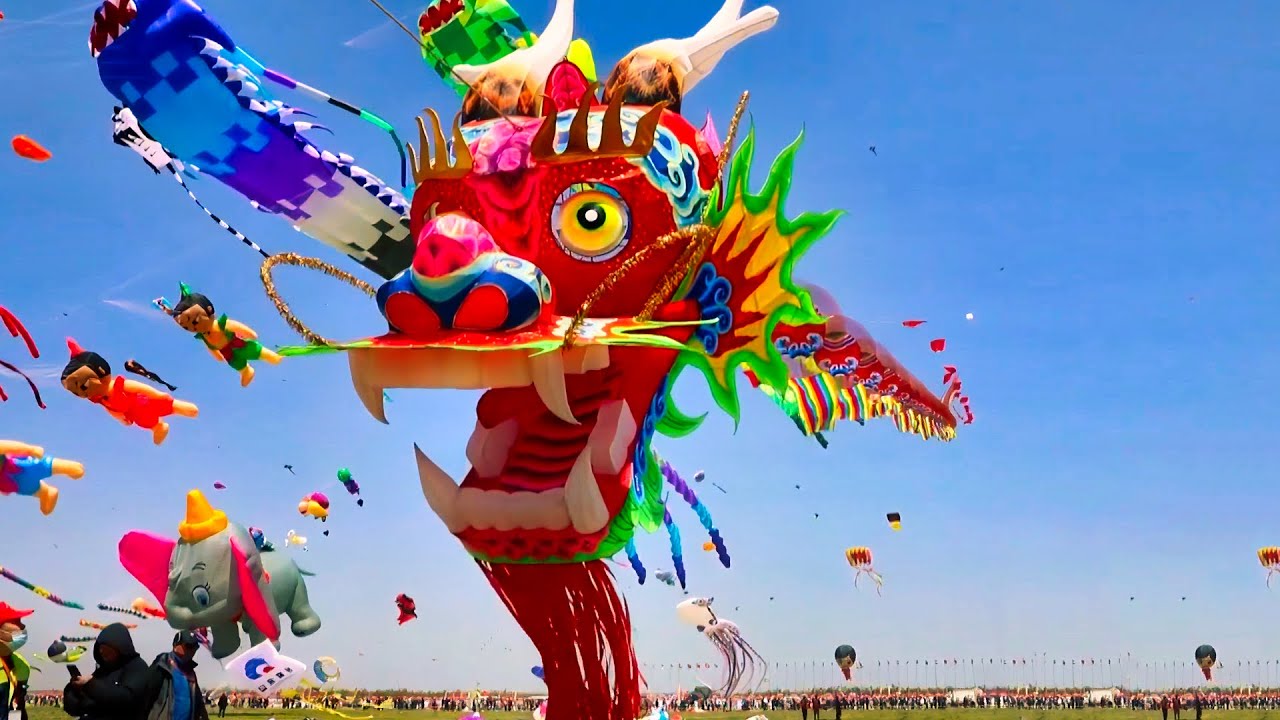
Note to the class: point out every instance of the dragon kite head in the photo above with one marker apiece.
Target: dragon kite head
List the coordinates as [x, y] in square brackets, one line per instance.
[569, 252]
[576, 247]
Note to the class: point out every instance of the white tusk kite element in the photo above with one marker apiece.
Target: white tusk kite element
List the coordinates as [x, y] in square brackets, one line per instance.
[695, 57]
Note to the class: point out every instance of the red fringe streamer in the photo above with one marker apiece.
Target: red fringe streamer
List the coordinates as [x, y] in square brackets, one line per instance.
[31, 383]
[582, 629]
[16, 329]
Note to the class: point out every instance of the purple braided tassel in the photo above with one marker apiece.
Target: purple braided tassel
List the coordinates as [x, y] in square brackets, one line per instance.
[704, 515]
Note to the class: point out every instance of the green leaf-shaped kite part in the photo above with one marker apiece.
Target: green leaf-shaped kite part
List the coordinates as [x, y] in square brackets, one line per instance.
[649, 514]
[808, 228]
[674, 423]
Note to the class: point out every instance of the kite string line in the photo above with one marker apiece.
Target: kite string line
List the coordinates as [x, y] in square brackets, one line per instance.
[295, 260]
[422, 45]
[372, 118]
[173, 171]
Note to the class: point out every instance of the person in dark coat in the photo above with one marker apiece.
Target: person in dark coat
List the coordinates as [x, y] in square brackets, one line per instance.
[115, 690]
[1164, 707]
[173, 693]
[222, 705]
[1177, 706]
[804, 707]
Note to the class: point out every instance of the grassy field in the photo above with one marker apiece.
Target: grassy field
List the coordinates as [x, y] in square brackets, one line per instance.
[43, 713]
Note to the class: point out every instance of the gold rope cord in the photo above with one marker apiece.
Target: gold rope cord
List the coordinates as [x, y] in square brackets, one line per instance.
[727, 150]
[699, 239]
[607, 284]
[296, 260]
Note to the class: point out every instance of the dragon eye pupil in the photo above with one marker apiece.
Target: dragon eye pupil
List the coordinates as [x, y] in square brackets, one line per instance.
[591, 216]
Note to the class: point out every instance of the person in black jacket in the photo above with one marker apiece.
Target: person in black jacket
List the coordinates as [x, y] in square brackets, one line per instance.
[116, 688]
[173, 693]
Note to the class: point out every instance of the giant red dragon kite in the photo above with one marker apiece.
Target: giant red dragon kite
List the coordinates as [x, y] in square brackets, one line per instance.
[577, 248]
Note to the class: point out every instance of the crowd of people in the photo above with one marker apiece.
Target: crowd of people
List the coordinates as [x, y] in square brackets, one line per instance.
[834, 704]
[448, 702]
[122, 685]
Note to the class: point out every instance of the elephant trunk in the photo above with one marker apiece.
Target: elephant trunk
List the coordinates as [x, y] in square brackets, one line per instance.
[573, 611]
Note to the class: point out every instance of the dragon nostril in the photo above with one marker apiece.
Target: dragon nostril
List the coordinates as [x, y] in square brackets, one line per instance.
[448, 243]
[461, 280]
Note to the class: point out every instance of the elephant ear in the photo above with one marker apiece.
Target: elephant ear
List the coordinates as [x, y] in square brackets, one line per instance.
[251, 597]
[146, 557]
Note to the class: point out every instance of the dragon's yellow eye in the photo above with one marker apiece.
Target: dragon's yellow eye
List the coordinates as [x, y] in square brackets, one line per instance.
[591, 222]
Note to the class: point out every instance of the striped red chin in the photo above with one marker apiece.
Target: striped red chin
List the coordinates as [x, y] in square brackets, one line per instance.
[551, 451]
[541, 488]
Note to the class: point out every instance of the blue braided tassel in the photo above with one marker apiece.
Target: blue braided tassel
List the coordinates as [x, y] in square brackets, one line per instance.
[677, 554]
[704, 515]
[634, 557]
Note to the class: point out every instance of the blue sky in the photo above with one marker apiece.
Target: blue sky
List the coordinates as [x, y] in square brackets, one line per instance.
[1096, 183]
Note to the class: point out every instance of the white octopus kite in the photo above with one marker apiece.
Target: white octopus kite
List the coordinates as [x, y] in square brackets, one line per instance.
[739, 658]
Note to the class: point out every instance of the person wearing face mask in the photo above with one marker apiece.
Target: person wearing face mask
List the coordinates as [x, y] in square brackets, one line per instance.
[14, 670]
[173, 693]
[115, 690]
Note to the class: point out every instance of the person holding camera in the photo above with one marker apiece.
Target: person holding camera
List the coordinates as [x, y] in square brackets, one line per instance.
[115, 689]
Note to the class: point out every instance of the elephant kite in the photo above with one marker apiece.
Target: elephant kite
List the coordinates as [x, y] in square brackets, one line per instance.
[214, 576]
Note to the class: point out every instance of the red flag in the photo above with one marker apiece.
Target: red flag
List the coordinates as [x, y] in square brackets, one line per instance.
[938, 344]
[913, 323]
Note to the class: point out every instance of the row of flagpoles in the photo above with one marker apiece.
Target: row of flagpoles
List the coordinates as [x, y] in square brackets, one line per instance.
[1037, 672]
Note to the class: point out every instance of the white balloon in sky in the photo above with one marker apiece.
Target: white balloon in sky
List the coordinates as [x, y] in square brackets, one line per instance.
[968, 316]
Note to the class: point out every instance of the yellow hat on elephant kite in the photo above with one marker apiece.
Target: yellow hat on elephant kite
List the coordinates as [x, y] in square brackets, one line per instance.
[203, 520]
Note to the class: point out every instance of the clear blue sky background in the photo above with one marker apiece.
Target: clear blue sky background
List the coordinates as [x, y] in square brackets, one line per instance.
[1096, 182]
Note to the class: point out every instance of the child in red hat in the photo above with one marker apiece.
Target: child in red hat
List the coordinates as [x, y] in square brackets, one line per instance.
[16, 671]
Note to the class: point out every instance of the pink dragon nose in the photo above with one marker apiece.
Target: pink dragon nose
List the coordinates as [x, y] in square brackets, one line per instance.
[449, 243]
